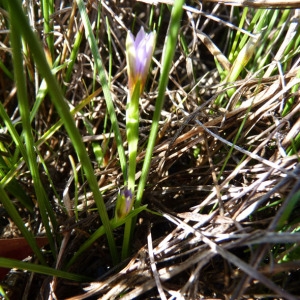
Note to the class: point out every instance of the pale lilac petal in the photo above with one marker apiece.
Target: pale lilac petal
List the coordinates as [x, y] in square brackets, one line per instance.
[141, 57]
[140, 36]
[131, 58]
[139, 53]
[150, 43]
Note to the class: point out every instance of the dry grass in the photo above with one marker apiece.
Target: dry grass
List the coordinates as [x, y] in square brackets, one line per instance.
[222, 198]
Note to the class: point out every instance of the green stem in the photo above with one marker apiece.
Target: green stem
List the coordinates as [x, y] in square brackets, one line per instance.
[169, 50]
[132, 131]
[48, 9]
[168, 54]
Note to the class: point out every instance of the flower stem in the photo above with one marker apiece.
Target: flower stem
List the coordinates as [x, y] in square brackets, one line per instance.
[168, 54]
[132, 131]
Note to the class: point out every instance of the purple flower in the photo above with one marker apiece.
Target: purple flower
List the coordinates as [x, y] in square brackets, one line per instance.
[139, 53]
[124, 203]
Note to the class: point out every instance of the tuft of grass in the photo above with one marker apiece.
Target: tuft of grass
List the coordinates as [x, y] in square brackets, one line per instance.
[217, 159]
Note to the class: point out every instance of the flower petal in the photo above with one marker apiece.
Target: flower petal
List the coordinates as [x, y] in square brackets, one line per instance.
[140, 36]
[130, 57]
[139, 53]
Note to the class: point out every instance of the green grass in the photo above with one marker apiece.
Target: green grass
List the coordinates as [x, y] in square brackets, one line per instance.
[211, 141]
[20, 28]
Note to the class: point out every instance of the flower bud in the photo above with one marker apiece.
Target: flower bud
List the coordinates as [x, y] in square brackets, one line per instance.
[139, 53]
[124, 204]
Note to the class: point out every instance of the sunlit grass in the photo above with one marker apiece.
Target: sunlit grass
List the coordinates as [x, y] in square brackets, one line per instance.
[218, 136]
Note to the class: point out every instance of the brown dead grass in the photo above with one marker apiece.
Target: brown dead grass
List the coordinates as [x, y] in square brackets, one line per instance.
[218, 235]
